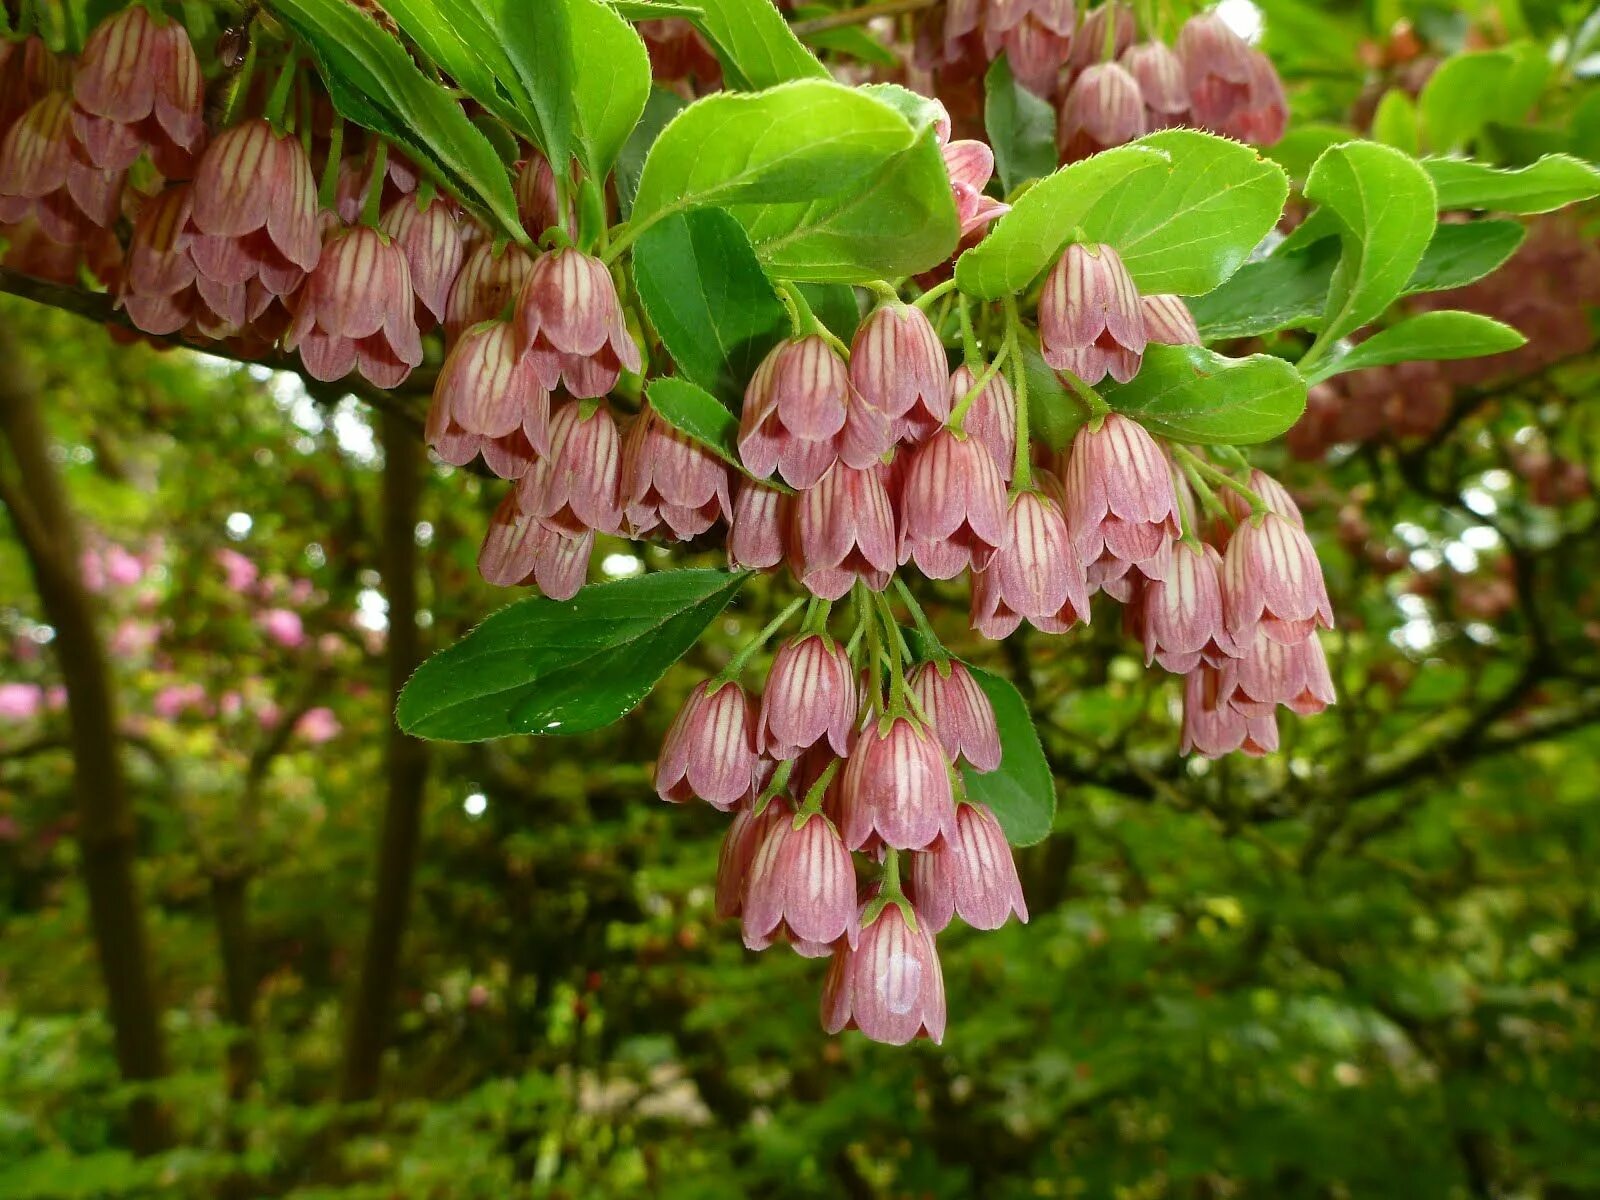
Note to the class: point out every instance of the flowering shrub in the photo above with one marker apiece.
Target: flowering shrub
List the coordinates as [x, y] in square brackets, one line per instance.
[805, 319]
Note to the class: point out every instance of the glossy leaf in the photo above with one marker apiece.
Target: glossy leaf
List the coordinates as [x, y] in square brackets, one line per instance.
[709, 301]
[1551, 183]
[1431, 335]
[1029, 238]
[697, 413]
[1196, 395]
[1387, 205]
[1021, 128]
[460, 37]
[1020, 790]
[548, 666]
[755, 44]
[538, 42]
[611, 78]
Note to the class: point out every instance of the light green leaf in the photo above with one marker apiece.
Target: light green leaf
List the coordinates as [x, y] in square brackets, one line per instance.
[1021, 127]
[1468, 90]
[1195, 395]
[1395, 122]
[538, 42]
[1431, 335]
[611, 76]
[1387, 205]
[755, 44]
[695, 412]
[1551, 183]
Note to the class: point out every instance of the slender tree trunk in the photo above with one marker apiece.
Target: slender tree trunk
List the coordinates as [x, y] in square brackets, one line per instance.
[368, 1021]
[105, 816]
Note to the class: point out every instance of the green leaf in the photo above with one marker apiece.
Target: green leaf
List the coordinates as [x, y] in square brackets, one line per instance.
[1432, 335]
[1290, 289]
[1551, 183]
[659, 109]
[1021, 790]
[708, 299]
[1029, 238]
[1021, 127]
[852, 40]
[696, 412]
[835, 305]
[1387, 205]
[538, 42]
[755, 44]
[1196, 395]
[547, 666]
[1054, 412]
[1395, 122]
[374, 83]
[1303, 145]
[1468, 90]
[460, 37]
[611, 76]
[799, 142]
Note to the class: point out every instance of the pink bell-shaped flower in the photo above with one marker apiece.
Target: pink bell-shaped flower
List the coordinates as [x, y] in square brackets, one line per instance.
[971, 875]
[1089, 43]
[1270, 673]
[710, 751]
[758, 529]
[486, 390]
[1036, 575]
[1159, 73]
[161, 291]
[489, 281]
[992, 418]
[1036, 36]
[519, 550]
[1168, 321]
[430, 238]
[1181, 615]
[745, 835]
[669, 479]
[1104, 108]
[571, 321]
[1273, 494]
[952, 507]
[802, 888]
[959, 712]
[897, 366]
[1271, 580]
[802, 414]
[843, 531]
[138, 87]
[889, 985]
[1213, 727]
[1217, 69]
[896, 787]
[1090, 322]
[43, 176]
[355, 311]
[810, 696]
[1118, 499]
[577, 486]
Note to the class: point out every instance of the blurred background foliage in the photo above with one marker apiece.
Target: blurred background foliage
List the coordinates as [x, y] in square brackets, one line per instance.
[1368, 966]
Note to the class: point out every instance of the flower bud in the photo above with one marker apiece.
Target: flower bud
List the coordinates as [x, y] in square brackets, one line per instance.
[138, 87]
[355, 311]
[1089, 43]
[889, 986]
[1036, 36]
[430, 238]
[802, 888]
[710, 751]
[570, 320]
[992, 417]
[897, 366]
[1271, 579]
[745, 836]
[255, 209]
[959, 712]
[897, 787]
[1273, 494]
[577, 486]
[485, 287]
[810, 695]
[1167, 321]
[669, 478]
[1159, 73]
[952, 507]
[1090, 322]
[971, 875]
[1216, 67]
[1104, 108]
[1036, 574]
[758, 527]
[801, 415]
[538, 202]
[843, 531]
[1181, 615]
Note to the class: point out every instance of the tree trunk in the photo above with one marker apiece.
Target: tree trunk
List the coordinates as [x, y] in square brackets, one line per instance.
[105, 820]
[368, 1021]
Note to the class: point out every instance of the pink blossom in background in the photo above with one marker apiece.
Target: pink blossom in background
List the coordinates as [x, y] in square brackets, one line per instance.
[329, 644]
[283, 627]
[301, 591]
[20, 701]
[175, 699]
[237, 570]
[269, 715]
[318, 725]
[55, 698]
[133, 637]
[231, 705]
[122, 569]
[93, 571]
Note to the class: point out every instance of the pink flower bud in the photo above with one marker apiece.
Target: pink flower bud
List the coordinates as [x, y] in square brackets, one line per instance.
[1117, 494]
[897, 366]
[485, 287]
[843, 531]
[570, 320]
[1264, 116]
[802, 888]
[283, 626]
[810, 695]
[897, 787]
[801, 415]
[745, 836]
[1089, 43]
[992, 418]
[520, 550]
[960, 714]
[952, 507]
[356, 311]
[971, 875]
[669, 478]
[255, 209]
[1216, 65]
[1104, 108]
[487, 389]
[758, 527]
[43, 176]
[1160, 76]
[1273, 493]
[1270, 673]
[430, 238]
[239, 572]
[889, 986]
[970, 164]
[1181, 615]
[577, 486]
[538, 203]
[1036, 36]
[1213, 727]
[318, 725]
[139, 87]
[710, 751]
[1089, 316]
[1271, 578]
[1167, 321]
[1036, 574]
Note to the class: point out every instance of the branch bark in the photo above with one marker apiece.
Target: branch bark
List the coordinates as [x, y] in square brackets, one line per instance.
[104, 814]
[368, 1020]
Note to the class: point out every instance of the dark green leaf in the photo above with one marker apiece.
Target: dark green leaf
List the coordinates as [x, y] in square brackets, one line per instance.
[1054, 411]
[1196, 395]
[1551, 183]
[1021, 127]
[1021, 791]
[696, 412]
[547, 666]
[1431, 335]
[708, 299]
[659, 109]
[459, 36]
[835, 305]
